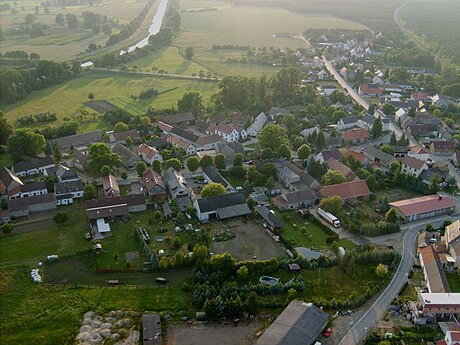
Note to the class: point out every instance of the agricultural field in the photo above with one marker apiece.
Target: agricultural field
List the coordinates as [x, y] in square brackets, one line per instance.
[67, 99]
[253, 26]
[436, 24]
[61, 42]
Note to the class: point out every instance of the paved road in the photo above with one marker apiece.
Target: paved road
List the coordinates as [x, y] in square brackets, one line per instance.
[370, 318]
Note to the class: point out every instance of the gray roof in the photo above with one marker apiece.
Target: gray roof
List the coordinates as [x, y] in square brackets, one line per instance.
[301, 195]
[68, 187]
[215, 176]
[29, 187]
[330, 154]
[33, 164]
[269, 217]
[184, 134]
[78, 139]
[375, 154]
[275, 111]
[233, 211]
[349, 120]
[127, 156]
[24, 203]
[214, 203]
[178, 118]
[299, 324]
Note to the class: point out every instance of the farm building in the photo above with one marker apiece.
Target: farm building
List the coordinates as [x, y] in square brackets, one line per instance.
[269, 217]
[67, 191]
[440, 303]
[120, 137]
[33, 204]
[76, 140]
[423, 207]
[115, 207]
[153, 185]
[33, 166]
[221, 206]
[299, 324]
[110, 186]
[348, 190]
[433, 272]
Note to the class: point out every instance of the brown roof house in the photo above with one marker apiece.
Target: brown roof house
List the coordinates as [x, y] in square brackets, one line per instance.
[435, 278]
[413, 166]
[356, 136]
[452, 241]
[110, 186]
[120, 137]
[10, 184]
[334, 164]
[423, 207]
[153, 185]
[149, 154]
[115, 207]
[443, 147]
[348, 191]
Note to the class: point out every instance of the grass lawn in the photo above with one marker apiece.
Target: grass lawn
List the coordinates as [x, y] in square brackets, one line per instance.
[300, 232]
[68, 98]
[45, 315]
[454, 281]
[36, 245]
[235, 181]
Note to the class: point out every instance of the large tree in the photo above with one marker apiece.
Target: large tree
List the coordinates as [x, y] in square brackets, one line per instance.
[377, 128]
[25, 142]
[213, 189]
[100, 155]
[205, 161]
[173, 162]
[120, 127]
[333, 177]
[193, 164]
[304, 152]
[272, 136]
[220, 162]
[191, 101]
[331, 204]
[5, 129]
[141, 168]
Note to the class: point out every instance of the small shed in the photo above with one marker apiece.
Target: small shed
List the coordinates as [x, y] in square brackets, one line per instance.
[294, 267]
[200, 316]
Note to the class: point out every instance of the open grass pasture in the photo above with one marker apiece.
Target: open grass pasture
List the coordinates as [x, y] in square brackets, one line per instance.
[67, 99]
[254, 26]
[34, 246]
[436, 24]
[46, 315]
[62, 42]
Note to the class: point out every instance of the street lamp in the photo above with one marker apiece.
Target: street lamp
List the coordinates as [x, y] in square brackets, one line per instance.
[365, 334]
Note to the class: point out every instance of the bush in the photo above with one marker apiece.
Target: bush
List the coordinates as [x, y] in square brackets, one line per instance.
[61, 217]
[7, 228]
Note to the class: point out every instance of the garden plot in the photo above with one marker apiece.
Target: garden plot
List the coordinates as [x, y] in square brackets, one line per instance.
[250, 241]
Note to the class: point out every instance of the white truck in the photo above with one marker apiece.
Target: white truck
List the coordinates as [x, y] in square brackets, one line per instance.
[329, 217]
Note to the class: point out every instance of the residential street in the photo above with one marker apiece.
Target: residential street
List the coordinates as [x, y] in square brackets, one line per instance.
[369, 319]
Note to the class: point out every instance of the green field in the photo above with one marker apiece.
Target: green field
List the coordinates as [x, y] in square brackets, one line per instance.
[34, 246]
[46, 315]
[135, 109]
[67, 99]
[436, 24]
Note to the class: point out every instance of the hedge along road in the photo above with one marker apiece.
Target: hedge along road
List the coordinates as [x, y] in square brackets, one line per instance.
[377, 310]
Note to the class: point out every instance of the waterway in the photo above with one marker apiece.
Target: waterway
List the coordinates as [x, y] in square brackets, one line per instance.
[153, 29]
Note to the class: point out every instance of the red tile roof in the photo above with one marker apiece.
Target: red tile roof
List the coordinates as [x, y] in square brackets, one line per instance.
[370, 90]
[356, 134]
[423, 204]
[334, 164]
[359, 157]
[147, 150]
[347, 190]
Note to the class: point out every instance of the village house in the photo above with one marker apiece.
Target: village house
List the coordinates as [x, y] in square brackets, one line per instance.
[77, 140]
[120, 137]
[226, 132]
[180, 119]
[435, 278]
[277, 111]
[221, 207]
[128, 158]
[451, 240]
[213, 175]
[185, 145]
[116, 207]
[379, 158]
[370, 90]
[440, 101]
[80, 160]
[444, 147]
[356, 136]
[356, 156]
[322, 75]
[412, 166]
[33, 166]
[423, 207]
[110, 186]
[419, 153]
[149, 154]
[367, 122]
[257, 125]
[153, 185]
[334, 164]
[10, 184]
[230, 149]
[296, 200]
[295, 178]
[66, 192]
[30, 189]
[22, 207]
[325, 155]
[347, 123]
[400, 115]
[348, 191]
[63, 173]
[175, 183]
